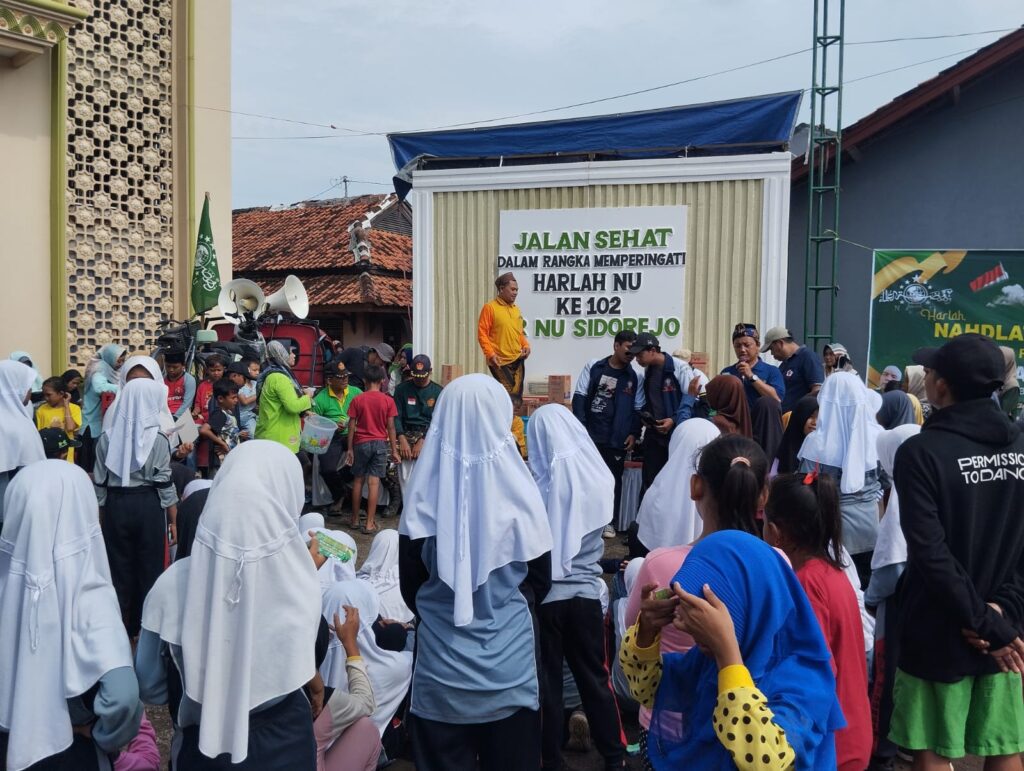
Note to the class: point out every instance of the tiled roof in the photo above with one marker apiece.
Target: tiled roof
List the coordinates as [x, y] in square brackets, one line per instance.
[365, 289]
[311, 238]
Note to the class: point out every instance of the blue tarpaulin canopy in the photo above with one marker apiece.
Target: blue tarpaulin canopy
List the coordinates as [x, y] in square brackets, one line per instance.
[753, 124]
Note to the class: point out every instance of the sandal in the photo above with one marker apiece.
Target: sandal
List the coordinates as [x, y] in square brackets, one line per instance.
[367, 531]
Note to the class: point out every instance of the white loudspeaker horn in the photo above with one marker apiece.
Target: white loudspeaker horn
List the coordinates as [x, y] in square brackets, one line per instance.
[291, 297]
[241, 297]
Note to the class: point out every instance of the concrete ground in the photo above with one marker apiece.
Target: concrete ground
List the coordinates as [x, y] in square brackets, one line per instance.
[574, 761]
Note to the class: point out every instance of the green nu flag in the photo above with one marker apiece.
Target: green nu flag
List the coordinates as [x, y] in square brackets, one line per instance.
[205, 274]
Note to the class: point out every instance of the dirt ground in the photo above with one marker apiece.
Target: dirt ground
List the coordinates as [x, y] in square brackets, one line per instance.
[574, 761]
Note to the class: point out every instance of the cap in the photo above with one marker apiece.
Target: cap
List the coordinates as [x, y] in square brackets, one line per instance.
[336, 369]
[971, 364]
[643, 341]
[420, 366]
[56, 440]
[385, 351]
[239, 368]
[773, 335]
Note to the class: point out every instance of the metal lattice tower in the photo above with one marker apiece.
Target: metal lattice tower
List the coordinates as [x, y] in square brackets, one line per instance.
[824, 156]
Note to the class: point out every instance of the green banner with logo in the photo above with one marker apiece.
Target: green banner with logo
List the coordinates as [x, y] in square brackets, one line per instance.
[923, 298]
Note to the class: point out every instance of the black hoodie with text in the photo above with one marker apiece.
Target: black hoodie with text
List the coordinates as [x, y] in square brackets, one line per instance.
[961, 488]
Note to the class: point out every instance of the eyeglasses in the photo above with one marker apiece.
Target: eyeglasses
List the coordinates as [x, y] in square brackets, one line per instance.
[745, 330]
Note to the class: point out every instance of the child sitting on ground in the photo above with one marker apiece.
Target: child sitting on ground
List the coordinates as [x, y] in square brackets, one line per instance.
[371, 443]
[804, 520]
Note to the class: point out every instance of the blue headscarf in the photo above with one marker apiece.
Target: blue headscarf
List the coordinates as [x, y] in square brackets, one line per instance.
[25, 358]
[782, 646]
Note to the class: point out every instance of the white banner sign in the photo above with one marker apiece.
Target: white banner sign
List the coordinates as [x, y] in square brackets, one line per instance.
[584, 275]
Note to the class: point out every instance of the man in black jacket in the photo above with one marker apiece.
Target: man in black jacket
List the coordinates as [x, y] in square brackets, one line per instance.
[961, 490]
[607, 400]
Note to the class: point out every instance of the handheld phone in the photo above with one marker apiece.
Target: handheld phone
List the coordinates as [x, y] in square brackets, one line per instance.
[663, 594]
[329, 547]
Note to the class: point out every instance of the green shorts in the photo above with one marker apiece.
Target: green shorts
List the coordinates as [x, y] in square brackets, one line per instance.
[981, 715]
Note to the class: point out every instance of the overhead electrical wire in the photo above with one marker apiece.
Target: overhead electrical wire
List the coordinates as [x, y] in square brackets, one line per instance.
[351, 133]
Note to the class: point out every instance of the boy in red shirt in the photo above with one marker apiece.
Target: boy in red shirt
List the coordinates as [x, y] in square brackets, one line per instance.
[371, 443]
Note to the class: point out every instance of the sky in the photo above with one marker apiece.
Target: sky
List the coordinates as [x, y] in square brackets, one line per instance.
[377, 66]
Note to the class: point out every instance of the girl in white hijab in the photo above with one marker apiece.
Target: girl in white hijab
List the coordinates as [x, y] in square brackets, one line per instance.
[239, 618]
[331, 569]
[136, 367]
[134, 486]
[668, 516]
[390, 671]
[843, 445]
[380, 571]
[19, 440]
[579, 494]
[475, 537]
[61, 633]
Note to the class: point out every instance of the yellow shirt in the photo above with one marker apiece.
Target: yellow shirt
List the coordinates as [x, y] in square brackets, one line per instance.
[53, 417]
[500, 331]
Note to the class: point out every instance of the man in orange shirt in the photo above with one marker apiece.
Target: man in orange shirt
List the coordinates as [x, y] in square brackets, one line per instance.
[501, 336]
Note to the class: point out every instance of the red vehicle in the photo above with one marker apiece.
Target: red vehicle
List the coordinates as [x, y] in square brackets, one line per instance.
[302, 336]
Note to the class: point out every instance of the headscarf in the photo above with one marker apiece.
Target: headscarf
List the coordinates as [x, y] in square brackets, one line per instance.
[104, 361]
[390, 672]
[726, 396]
[380, 571]
[134, 425]
[76, 393]
[245, 606]
[897, 410]
[667, 516]
[195, 486]
[396, 368]
[277, 361]
[471, 490]
[310, 521]
[629, 579]
[155, 373]
[25, 358]
[891, 546]
[19, 440]
[793, 438]
[62, 628]
[846, 430]
[189, 511]
[840, 352]
[915, 383]
[577, 487]
[333, 569]
[1010, 376]
[782, 646]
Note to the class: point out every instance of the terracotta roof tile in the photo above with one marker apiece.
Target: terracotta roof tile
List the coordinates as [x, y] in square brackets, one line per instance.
[364, 289]
[311, 237]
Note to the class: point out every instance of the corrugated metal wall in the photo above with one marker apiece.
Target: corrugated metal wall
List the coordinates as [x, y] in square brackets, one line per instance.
[723, 259]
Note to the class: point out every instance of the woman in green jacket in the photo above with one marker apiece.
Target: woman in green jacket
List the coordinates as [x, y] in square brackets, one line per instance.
[282, 400]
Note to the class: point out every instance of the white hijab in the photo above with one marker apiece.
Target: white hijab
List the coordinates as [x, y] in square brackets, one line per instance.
[245, 606]
[891, 547]
[667, 516]
[471, 490]
[61, 629]
[390, 672]
[334, 570]
[309, 521]
[380, 570]
[149, 364]
[629, 579]
[194, 487]
[846, 431]
[19, 441]
[134, 425]
[577, 487]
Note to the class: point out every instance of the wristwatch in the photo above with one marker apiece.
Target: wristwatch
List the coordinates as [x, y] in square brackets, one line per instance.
[754, 379]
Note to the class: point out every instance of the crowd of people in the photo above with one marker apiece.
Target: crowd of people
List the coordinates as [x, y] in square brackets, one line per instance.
[819, 573]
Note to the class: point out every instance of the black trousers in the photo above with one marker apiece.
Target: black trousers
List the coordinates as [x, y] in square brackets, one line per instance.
[80, 756]
[615, 461]
[335, 477]
[136, 539]
[512, 744]
[766, 424]
[862, 562]
[655, 458]
[573, 630]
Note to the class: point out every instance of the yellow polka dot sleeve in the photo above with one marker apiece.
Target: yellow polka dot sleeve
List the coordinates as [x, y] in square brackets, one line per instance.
[745, 725]
[641, 666]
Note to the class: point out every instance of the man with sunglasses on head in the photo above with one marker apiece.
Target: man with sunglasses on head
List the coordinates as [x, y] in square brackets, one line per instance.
[608, 399]
[763, 385]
